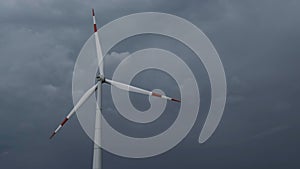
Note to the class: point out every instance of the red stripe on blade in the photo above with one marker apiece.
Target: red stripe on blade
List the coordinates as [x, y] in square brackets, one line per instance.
[65, 120]
[52, 135]
[175, 100]
[95, 28]
[93, 13]
[156, 94]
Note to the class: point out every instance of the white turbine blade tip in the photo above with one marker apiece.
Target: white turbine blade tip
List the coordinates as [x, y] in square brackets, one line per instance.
[59, 127]
[164, 97]
[52, 135]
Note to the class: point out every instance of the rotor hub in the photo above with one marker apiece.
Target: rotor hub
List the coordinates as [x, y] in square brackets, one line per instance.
[100, 78]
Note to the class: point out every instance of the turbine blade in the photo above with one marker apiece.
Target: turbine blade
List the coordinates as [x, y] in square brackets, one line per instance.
[130, 88]
[98, 45]
[82, 100]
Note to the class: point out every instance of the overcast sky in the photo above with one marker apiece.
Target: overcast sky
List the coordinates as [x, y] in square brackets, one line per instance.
[258, 43]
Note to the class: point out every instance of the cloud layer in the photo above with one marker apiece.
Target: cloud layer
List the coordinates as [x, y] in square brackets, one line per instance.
[258, 43]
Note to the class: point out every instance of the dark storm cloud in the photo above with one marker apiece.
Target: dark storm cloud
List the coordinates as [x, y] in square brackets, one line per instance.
[258, 45]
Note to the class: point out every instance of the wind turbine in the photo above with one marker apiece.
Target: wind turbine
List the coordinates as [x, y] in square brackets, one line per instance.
[101, 79]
